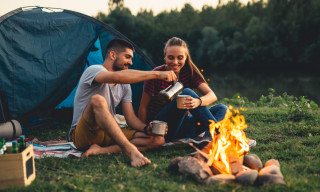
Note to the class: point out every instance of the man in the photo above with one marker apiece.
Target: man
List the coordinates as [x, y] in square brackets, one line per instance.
[101, 88]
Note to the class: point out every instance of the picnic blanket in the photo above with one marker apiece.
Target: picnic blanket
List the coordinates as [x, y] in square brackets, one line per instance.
[54, 148]
[187, 140]
[62, 148]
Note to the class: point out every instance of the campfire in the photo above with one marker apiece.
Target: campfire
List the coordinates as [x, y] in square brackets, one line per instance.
[226, 158]
[230, 144]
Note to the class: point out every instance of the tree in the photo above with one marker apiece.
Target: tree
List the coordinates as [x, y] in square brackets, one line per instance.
[210, 49]
[260, 34]
[113, 4]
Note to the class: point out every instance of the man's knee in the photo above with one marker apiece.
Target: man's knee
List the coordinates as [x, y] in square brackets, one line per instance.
[97, 101]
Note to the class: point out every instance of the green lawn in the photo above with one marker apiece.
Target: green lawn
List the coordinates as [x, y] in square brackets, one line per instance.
[294, 143]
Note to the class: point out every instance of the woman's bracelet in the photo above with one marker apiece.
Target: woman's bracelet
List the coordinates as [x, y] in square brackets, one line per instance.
[145, 130]
[200, 102]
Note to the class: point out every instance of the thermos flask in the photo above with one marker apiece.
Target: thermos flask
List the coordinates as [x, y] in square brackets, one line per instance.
[168, 94]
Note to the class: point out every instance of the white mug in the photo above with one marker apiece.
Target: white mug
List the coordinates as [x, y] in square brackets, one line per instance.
[158, 127]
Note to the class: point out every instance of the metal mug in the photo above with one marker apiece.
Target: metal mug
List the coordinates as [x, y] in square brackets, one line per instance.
[158, 127]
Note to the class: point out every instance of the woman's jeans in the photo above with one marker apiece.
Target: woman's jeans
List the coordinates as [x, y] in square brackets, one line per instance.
[182, 125]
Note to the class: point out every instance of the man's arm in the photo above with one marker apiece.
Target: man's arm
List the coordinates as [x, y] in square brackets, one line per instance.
[145, 100]
[132, 120]
[130, 76]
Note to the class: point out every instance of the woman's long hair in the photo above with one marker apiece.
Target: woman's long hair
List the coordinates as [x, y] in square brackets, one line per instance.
[175, 41]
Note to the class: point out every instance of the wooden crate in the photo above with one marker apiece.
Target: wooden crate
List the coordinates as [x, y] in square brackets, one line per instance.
[17, 169]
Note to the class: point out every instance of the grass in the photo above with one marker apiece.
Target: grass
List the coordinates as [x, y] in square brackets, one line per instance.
[295, 144]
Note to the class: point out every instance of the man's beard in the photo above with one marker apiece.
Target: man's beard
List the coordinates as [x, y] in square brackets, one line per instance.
[116, 65]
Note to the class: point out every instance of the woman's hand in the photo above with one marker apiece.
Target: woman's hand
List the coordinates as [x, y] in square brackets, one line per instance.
[191, 103]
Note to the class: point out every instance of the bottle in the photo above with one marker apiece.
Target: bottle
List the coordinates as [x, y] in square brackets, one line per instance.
[3, 146]
[14, 148]
[2, 142]
[22, 143]
[169, 93]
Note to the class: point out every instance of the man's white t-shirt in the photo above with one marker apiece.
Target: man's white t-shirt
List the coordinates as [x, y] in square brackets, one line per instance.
[114, 95]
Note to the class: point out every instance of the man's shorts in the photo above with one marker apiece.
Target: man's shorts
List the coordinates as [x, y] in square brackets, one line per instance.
[85, 135]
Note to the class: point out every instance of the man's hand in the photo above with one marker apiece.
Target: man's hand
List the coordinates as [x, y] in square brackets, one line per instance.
[148, 130]
[167, 76]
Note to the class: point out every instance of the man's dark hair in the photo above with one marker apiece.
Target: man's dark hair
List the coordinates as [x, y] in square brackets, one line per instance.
[118, 45]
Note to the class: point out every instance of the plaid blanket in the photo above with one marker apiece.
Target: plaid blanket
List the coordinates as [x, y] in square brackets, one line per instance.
[187, 140]
[60, 151]
[52, 148]
[63, 149]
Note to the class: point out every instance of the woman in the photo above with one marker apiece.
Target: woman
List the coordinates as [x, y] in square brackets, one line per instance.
[180, 124]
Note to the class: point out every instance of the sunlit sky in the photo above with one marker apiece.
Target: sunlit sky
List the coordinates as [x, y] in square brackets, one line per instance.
[92, 7]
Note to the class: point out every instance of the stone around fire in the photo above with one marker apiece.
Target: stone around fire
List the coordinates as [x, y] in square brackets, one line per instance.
[220, 179]
[270, 174]
[272, 162]
[247, 177]
[173, 165]
[195, 168]
[272, 169]
[252, 161]
[269, 179]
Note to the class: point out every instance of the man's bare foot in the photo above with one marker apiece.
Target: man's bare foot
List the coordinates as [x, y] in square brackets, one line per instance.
[93, 150]
[137, 159]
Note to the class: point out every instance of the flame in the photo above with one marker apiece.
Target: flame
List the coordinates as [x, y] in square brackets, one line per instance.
[231, 139]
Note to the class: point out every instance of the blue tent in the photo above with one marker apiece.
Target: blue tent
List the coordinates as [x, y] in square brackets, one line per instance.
[43, 52]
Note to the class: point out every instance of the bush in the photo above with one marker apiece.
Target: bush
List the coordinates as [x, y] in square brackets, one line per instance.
[298, 108]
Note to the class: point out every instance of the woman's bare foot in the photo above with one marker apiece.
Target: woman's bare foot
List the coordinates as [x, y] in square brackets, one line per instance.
[93, 150]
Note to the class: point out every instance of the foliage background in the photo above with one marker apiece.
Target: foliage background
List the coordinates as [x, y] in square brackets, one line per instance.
[259, 35]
